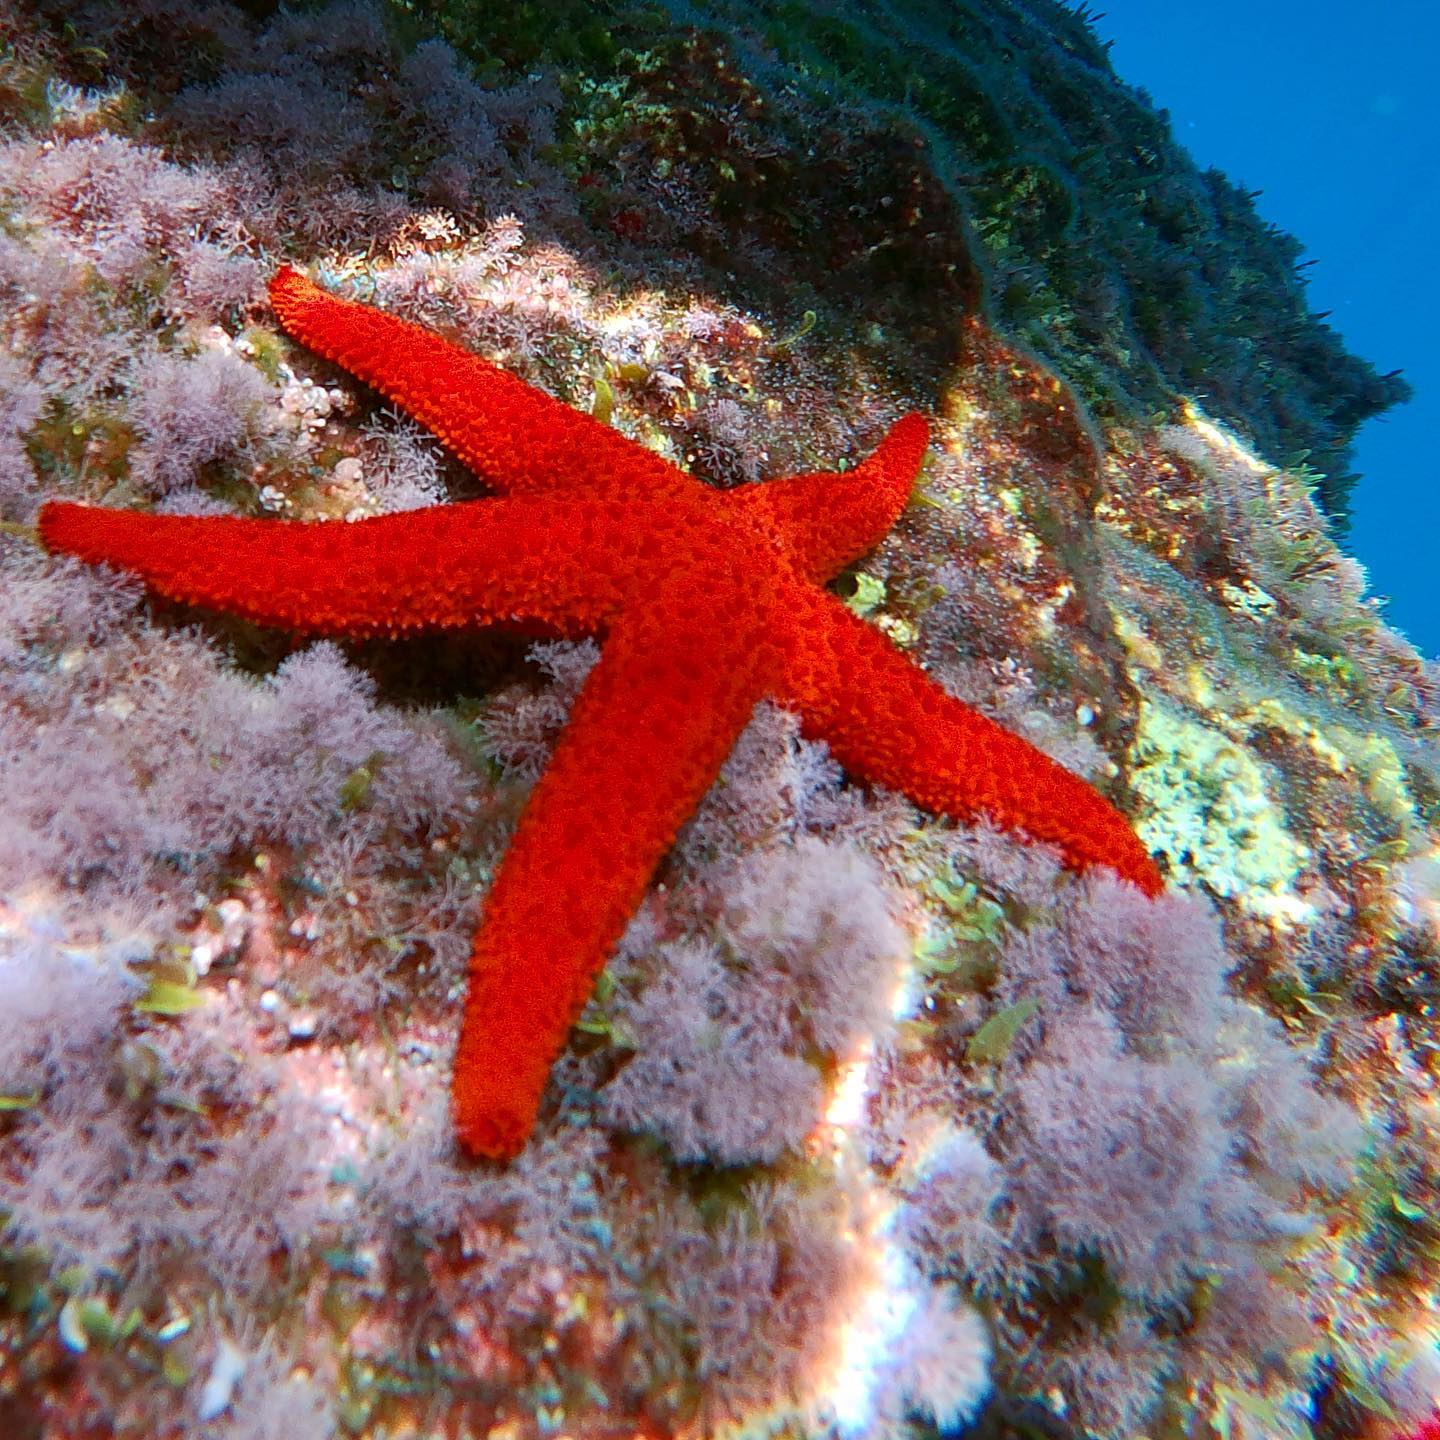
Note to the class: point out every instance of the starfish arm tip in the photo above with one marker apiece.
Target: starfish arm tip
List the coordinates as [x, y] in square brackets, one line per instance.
[1140, 870]
[901, 451]
[68, 528]
[289, 280]
[486, 1135]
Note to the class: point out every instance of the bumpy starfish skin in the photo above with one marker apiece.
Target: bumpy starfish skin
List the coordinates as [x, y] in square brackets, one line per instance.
[708, 602]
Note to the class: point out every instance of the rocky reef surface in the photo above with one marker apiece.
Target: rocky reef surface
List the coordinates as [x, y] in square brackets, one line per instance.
[877, 1125]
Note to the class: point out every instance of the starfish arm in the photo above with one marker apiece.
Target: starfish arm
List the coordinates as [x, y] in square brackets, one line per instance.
[521, 440]
[888, 722]
[648, 734]
[519, 561]
[831, 518]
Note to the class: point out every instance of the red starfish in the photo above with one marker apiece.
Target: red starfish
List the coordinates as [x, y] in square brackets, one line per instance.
[708, 601]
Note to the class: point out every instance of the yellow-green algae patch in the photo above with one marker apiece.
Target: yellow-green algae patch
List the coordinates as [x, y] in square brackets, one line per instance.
[1204, 802]
[1275, 727]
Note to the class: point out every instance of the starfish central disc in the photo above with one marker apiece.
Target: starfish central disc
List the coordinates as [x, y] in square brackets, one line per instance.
[708, 602]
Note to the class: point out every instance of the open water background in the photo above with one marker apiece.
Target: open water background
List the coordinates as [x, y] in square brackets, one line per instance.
[1332, 109]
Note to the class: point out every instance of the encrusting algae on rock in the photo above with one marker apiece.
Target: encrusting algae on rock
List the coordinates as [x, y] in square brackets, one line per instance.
[876, 1124]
